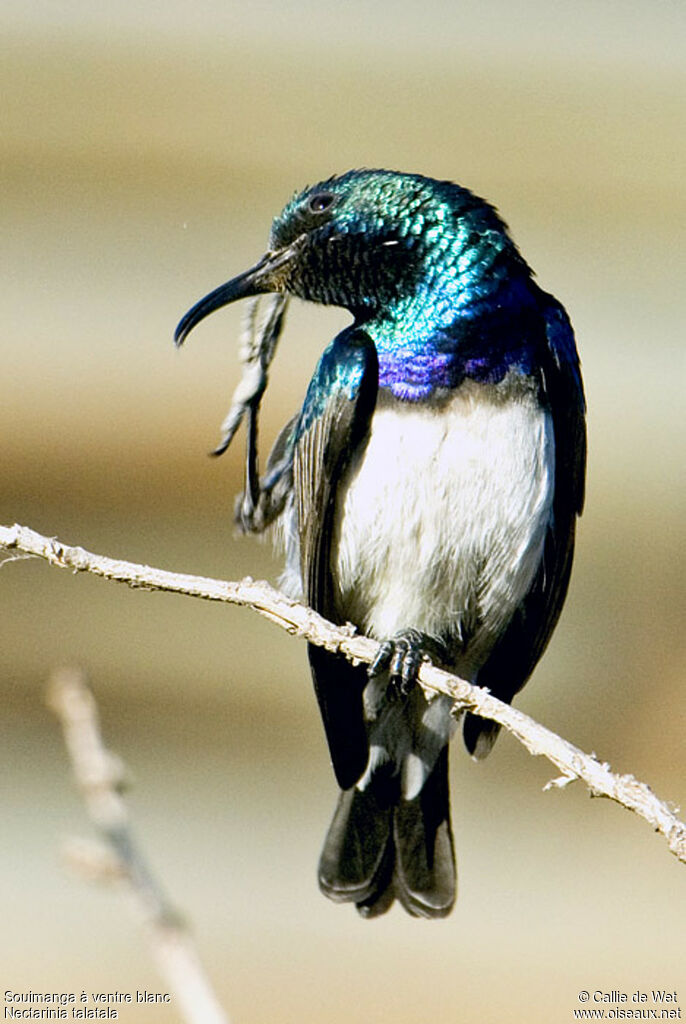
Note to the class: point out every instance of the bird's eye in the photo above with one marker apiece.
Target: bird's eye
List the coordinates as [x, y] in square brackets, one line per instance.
[320, 202]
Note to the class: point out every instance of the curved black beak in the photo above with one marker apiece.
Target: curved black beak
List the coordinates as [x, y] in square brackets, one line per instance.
[270, 274]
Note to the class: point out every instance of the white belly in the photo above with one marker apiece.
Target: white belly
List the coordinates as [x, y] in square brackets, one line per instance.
[444, 516]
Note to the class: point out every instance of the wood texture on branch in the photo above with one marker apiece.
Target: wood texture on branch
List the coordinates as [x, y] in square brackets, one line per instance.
[100, 777]
[301, 621]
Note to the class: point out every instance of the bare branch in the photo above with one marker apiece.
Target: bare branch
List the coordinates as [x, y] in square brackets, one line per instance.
[304, 622]
[100, 777]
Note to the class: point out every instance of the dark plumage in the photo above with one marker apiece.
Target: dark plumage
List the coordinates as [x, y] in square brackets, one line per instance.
[429, 489]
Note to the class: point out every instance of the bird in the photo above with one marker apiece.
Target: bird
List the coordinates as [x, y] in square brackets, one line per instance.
[427, 492]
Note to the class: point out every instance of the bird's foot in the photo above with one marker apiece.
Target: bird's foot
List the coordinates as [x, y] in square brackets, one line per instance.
[247, 514]
[252, 515]
[401, 655]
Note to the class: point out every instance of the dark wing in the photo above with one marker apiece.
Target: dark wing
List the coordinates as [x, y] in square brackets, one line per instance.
[333, 423]
[515, 656]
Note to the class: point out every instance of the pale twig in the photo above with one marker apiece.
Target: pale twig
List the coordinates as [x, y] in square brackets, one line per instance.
[305, 623]
[100, 777]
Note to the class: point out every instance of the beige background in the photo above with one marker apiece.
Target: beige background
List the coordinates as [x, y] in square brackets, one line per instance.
[143, 151]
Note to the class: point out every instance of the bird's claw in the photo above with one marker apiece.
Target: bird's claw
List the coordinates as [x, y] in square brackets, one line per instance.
[245, 514]
[401, 656]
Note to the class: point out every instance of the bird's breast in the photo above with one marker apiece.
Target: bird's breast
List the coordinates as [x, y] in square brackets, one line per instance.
[442, 515]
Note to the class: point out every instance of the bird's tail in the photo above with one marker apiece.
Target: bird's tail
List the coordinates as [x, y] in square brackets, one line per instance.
[381, 846]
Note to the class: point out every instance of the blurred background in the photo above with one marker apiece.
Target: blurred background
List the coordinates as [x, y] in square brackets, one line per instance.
[143, 151]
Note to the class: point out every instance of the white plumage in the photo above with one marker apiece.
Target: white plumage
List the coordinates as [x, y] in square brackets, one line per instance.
[441, 527]
[444, 515]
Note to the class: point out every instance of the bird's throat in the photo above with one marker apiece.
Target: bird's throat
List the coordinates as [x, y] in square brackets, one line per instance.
[430, 346]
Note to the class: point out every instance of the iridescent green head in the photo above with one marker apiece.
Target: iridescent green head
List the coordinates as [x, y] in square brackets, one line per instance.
[374, 241]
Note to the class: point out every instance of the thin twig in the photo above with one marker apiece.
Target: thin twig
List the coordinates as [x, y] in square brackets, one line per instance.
[100, 776]
[305, 623]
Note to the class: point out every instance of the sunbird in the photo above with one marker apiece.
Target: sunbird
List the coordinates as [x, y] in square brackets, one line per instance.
[427, 490]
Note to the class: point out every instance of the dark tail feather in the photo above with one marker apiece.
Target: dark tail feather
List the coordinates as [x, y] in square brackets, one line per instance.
[380, 846]
[357, 860]
[425, 877]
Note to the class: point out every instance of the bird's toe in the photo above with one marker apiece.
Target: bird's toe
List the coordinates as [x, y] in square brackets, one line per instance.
[401, 656]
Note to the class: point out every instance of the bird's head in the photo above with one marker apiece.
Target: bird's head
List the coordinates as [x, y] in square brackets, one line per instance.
[369, 240]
